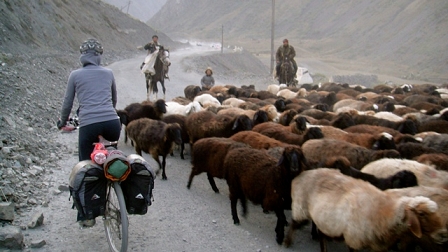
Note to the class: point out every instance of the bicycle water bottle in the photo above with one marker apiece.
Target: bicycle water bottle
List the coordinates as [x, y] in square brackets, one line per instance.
[99, 154]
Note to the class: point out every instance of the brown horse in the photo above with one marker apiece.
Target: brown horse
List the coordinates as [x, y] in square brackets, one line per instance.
[159, 76]
[286, 75]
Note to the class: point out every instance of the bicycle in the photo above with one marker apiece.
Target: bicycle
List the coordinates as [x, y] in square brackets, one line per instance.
[115, 217]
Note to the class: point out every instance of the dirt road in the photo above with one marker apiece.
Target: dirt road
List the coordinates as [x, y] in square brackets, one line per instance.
[179, 219]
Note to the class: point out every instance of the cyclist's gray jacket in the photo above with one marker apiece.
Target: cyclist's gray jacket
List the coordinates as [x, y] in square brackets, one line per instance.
[95, 89]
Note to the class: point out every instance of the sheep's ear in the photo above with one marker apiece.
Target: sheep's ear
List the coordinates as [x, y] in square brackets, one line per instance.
[280, 161]
[235, 124]
[413, 222]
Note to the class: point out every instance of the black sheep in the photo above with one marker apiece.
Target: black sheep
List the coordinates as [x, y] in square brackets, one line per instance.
[401, 179]
[180, 119]
[263, 179]
[207, 155]
[154, 137]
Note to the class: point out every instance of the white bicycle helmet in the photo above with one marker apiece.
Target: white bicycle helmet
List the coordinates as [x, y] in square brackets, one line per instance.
[91, 44]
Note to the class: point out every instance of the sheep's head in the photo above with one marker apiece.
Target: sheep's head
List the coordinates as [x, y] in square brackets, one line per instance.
[403, 179]
[173, 132]
[124, 117]
[301, 122]
[385, 141]
[422, 217]
[287, 116]
[313, 133]
[160, 106]
[280, 104]
[408, 127]
[293, 160]
[339, 162]
[342, 121]
[260, 117]
[241, 123]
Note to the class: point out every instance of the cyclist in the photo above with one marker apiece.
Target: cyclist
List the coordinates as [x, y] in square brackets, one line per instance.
[95, 89]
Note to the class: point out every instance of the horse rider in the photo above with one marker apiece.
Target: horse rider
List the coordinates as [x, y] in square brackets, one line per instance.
[283, 51]
[152, 47]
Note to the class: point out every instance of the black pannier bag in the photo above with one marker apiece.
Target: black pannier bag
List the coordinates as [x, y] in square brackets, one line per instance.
[137, 188]
[88, 187]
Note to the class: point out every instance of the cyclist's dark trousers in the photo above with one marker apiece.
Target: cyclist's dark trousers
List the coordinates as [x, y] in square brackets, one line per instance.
[88, 135]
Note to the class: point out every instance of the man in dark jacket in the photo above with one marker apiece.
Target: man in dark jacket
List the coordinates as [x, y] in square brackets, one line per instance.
[283, 51]
[153, 46]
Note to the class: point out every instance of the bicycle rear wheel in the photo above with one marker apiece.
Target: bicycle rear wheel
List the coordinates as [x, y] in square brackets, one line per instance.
[115, 219]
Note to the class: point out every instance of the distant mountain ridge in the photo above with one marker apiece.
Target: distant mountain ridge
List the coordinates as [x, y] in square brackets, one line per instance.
[408, 36]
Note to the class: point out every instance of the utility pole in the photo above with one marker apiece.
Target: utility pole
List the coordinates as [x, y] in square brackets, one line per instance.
[129, 3]
[222, 38]
[272, 36]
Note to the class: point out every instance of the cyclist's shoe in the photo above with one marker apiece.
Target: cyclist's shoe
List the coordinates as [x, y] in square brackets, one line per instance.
[87, 223]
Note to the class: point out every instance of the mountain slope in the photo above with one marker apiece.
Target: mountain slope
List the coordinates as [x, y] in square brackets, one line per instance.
[141, 9]
[403, 37]
[63, 25]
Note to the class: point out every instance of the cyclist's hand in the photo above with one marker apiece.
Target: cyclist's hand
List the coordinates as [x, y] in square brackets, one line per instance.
[60, 124]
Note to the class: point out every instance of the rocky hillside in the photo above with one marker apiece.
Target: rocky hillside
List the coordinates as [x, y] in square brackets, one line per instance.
[141, 9]
[62, 25]
[402, 38]
[39, 46]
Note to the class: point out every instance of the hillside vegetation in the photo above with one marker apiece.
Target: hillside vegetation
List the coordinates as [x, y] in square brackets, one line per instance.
[402, 38]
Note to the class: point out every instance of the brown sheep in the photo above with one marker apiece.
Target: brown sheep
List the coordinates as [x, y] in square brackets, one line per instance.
[297, 126]
[262, 179]
[154, 137]
[438, 160]
[406, 126]
[317, 150]
[410, 150]
[382, 141]
[363, 215]
[206, 124]
[287, 136]
[207, 155]
[191, 91]
[146, 109]
[257, 140]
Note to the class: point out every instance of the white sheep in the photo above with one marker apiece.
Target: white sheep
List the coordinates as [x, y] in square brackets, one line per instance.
[174, 108]
[274, 88]
[288, 94]
[233, 102]
[388, 116]
[426, 175]
[207, 100]
[366, 217]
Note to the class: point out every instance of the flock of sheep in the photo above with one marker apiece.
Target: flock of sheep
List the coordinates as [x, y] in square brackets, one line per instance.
[368, 165]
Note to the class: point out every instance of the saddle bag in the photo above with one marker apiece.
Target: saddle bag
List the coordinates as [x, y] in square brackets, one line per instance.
[137, 188]
[88, 186]
[116, 165]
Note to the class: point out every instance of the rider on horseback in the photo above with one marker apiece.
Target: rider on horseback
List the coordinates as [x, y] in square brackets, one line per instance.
[283, 51]
[151, 47]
